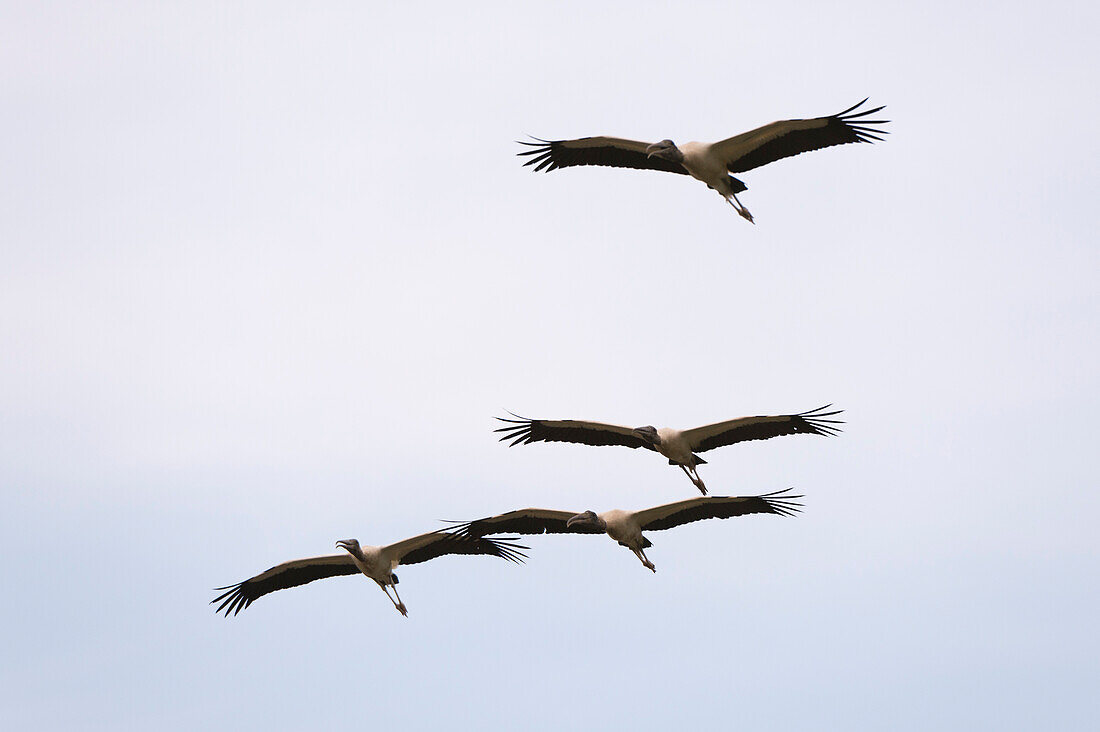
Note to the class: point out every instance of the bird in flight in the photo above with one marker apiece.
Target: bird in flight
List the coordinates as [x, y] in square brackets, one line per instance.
[679, 446]
[376, 562]
[626, 527]
[713, 162]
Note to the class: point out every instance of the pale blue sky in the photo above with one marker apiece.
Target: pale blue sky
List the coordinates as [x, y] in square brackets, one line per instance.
[268, 271]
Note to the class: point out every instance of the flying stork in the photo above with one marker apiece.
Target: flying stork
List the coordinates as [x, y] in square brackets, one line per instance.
[679, 446]
[712, 162]
[376, 562]
[626, 527]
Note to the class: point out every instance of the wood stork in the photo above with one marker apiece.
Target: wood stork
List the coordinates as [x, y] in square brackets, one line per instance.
[712, 162]
[376, 562]
[626, 527]
[679, 446]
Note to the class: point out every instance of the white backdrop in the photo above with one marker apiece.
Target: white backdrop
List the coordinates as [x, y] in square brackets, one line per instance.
[270, 270]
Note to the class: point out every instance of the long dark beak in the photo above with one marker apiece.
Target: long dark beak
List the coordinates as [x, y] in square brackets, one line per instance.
[580, 518]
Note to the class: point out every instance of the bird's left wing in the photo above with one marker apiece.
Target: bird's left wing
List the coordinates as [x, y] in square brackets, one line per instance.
[525, 431]
[525, 521]
[439, 543]
[613, 152]
[795, 136]
[720, 434]
[288, 574]
[670, 515]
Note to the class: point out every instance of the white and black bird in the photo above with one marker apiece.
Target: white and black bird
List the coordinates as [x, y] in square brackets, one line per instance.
[679, 446]
[712, 162]
[626, 527]
[376, 562]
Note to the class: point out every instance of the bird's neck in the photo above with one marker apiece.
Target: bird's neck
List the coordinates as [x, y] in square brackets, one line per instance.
[360, 558]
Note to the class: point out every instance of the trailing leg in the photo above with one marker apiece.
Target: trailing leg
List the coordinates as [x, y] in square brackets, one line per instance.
[693, 475]
[640, 554]
[396, 603]
[741, 210]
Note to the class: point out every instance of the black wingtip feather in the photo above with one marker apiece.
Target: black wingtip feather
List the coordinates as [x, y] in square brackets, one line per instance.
[461, 528]
[507, 548]
[856, 123]
[233, 601]
[818, 422]
[854, 106]
[518, 430]
[864, 113]
[542, 152]
[845, 113]
[782, 502]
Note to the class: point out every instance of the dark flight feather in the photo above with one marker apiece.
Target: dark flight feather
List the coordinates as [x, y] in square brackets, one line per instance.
[839, 129]
[525, 431]
[813, 422]
[553, 154]
[720, 507]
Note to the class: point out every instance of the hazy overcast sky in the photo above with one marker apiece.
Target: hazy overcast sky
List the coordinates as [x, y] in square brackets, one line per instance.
[268, 271]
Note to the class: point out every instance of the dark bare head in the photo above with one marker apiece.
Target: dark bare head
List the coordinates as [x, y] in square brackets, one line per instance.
[352, 547]
[648, 434]
[588, 518]
[666, 150]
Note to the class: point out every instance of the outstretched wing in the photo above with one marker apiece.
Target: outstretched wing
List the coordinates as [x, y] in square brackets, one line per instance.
[795, 136]
[525, 431]
[524, 521]
[288, 574]
[720, 434]
[609, 151]
[670, 515]
[436, 544]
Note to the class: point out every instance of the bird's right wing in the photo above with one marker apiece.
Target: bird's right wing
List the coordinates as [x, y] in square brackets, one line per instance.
[524, 521]
[763, 427]
[288, 574]
[525, 431]
[612, 152]
[788, 137]
[435, 544]
[699, 508]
